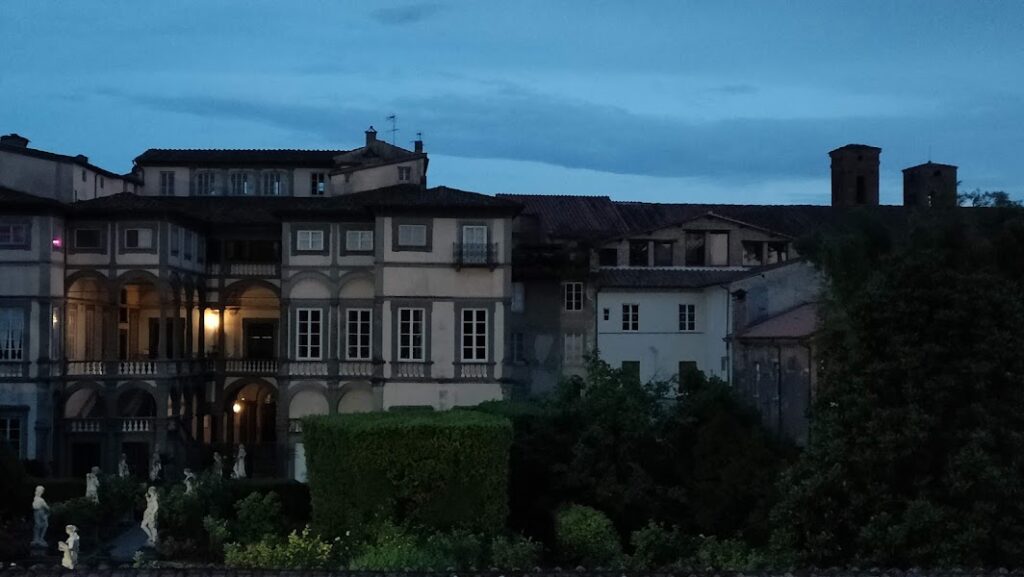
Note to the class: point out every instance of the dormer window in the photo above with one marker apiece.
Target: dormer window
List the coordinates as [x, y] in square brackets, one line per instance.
[404, 173]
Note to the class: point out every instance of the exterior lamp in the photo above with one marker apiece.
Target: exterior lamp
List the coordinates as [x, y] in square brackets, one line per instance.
[211, 319]
[57, 243]
[237, 407]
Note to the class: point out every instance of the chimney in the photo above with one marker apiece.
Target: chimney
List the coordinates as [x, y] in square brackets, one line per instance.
[417, 145]
[13, 139]
[930, 185]
[371, 136]
[855, 175]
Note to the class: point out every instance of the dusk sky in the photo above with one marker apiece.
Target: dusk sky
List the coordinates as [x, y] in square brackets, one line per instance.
[715, 101]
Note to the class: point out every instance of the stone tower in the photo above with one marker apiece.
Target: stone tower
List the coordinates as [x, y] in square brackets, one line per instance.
[855, 175]
[930, 185]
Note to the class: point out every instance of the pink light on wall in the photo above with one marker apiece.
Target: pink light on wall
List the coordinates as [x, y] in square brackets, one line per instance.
[58, 243]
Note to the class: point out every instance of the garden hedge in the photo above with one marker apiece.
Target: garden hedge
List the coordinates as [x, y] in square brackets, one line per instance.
[440, 470]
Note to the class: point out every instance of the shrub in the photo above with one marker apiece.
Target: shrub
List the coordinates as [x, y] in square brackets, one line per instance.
[657, 547]
[440, 470]
[120, 498]
[80, 512]
[217, 534]
[12, 478]
[586, 536]
[259, 517]
[395, 548]
[459, 549]
[294, 497]
[726, 555]
[299, 551]
[515, 552]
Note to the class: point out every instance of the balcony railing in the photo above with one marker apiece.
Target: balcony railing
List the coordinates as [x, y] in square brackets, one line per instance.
[76, 368]
[12, 368]
[410, 370]
[136, 368]
[85, 425]
[475, 254]
[259, 366]
[136, 424]
[244, 269]
[307, 368]
[358, 368]
[474, 370]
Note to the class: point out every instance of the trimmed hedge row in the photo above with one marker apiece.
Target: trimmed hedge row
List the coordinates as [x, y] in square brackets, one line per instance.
[443, 470]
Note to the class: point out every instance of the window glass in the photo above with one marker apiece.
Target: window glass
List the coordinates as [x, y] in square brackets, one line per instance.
[309, 240]
[87, 238]
[204, 183]
[718, 248]
[359, 240]
[573, 296]
[317, 184]
[778, 252]
[308, 333]
[638, 251]
[753, 253]
[13, 235]
[630, 317]
[410, 334]
[662, 254]
[358, 334]
[474, 334]
[12, 334]
[687, 317]
[412, 235]
[141, 238]
[166, 183]
[695, 249]
[272, 185]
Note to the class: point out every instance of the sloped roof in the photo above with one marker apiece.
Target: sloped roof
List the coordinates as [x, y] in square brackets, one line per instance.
[665, 277]
[17, 201]
[796, 323]
[238, 157]
[80, 160]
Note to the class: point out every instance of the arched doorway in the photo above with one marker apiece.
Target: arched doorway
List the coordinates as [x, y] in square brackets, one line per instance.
[252, 415]
[136, 425]
[84, 416]
[303, 403]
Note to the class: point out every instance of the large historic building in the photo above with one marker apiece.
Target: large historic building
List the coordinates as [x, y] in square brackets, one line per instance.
[211, 298]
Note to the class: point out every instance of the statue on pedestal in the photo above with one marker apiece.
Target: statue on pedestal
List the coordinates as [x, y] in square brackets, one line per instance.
[92, 485]
[122, 467]
[69, 548]
[218, 465]
[238, 472]
[190, 482]
[149, 517]
[41, 517]
[155, 466]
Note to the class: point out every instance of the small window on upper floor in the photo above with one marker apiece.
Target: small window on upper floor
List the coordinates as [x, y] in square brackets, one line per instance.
[205, 182]
[753, 253]
[88, 238]
[166, 183]
[662, 254]
[630, 317]
[273, 185]
[309, 240]
[138, 238]
[404, 173]
[695, 249]
[638, 253]
[14, 236]
[718, 248]
[573, 296]
[778, 252]
[240, 185]
[359, 240]
[412, 235]
[608, 257]
[317, 184]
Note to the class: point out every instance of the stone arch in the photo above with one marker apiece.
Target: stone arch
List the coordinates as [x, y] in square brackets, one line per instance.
[250, 412]
[233, 292]
[356, 397]
[309, 285]
[84, 400]
[357, 285]
[102, 281]
[136, 400]
[308, 401]
[141, 276]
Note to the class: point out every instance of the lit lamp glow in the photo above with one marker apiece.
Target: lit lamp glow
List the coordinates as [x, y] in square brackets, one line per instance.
[211, 319]
[57, 243]
[237, 407]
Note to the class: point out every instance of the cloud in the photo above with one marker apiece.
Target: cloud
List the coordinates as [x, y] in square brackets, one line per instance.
[516, 124]
[403, 15]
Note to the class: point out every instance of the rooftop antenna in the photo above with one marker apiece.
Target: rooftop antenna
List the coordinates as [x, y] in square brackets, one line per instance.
[394, 127]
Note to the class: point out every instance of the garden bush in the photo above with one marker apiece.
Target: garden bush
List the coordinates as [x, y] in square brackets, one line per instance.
[303, 550]
[80, 512]
[258, 517]
[658, 547]
[441, 470]
[515, 552]
[294, 497]
[396, 548]
[587, 537]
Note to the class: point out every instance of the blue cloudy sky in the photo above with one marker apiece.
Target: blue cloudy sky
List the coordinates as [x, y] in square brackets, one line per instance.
[712, 101]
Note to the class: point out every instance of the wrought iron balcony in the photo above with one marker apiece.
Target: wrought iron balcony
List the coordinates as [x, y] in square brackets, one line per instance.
[475, 254]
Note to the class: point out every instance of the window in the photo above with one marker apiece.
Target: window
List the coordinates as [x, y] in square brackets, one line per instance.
[753, 253]
[608, 257]
[404, 173]
[694, 249]
[638, 253]
[573, 349]
[518, 344]
[687, 317]
[518, 297]
[718, 248]
[474, 335]
[474, 244]
[14, 235]
[606, 313]
[573, 296]
[138, 238]
[83, 175]
[240, 184]
[11, 433]
[778, 252]
[631, 317]
[308, 334]
[357, 334]
[166, 183]
[272, 184]
[12, 334]
[412, 235]
[175, 240]
[410, 334]
[87, 238]
[309, 240]
[317, 184]
[204, 183]
[662, 254]
[631, 370]
[359, 240]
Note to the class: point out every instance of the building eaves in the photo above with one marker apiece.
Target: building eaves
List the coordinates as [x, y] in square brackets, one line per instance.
[79, 160]
[796, 323]
[15, 201]
[222, 157]
[650, 277]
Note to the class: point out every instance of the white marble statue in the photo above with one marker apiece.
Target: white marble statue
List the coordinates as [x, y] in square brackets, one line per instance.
[218, 465]
[190, 482]
[41, 517]
[154, 465]
[149, 516]
[69, 548]
[122, 468]
[238, 472]
[92, 485]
